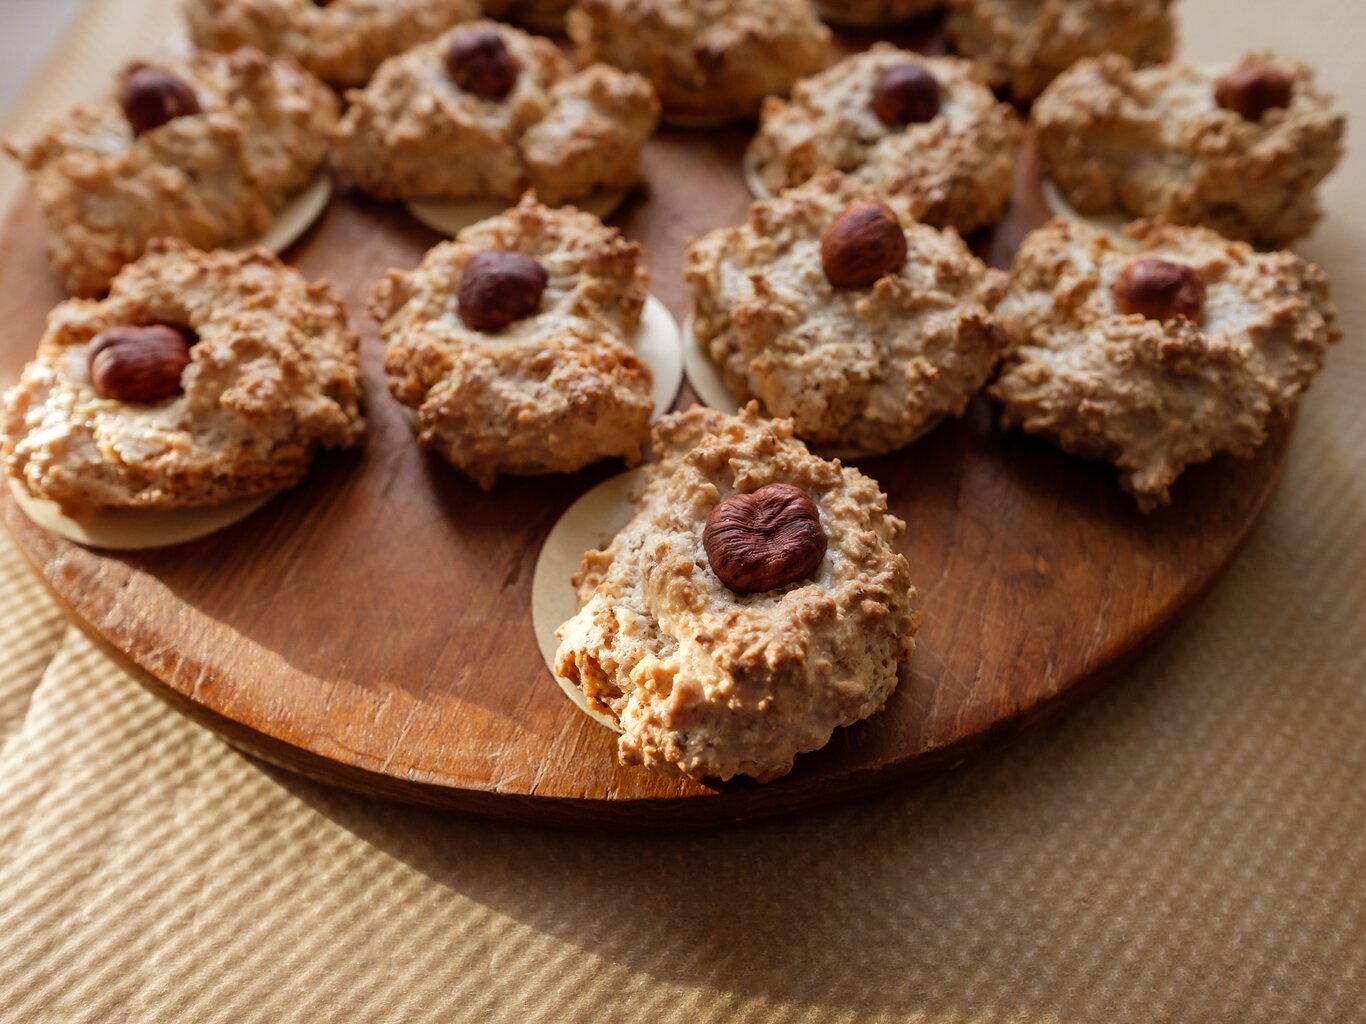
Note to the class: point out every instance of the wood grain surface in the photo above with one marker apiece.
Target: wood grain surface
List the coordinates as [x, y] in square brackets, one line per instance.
[372, 627]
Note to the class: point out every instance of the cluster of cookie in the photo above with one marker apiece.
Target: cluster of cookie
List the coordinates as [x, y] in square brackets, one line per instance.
[756, 600]
[1155, 346]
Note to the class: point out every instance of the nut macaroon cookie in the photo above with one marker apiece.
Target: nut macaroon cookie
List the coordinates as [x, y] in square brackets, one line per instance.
[709, 60]
[754, 603]
[1022, 45]
[489, 111]
[1240, 149]
[922, 128]
[206, 149]
[512, 343]
[202, 377]
[1157, 350]
[340, 41]
[835, 309]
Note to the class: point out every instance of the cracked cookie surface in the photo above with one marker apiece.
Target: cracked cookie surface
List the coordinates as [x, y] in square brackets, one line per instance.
[706, 58]
[1154, 142]
[953, 169]
[212, 178]
[708, 683]
[1025, 44]
[1155, 396]
[272, 378]
[342, 43]
[549, 393]
[413, 133]
[865, 368]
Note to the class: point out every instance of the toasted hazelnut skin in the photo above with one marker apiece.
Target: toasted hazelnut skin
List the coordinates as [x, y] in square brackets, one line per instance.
[764, 540]
[479, 62]
[1160, 290]
[863, 243]
[138, 364]
[151, 97]
[1252, 91]
[497, 288]
[906, 94]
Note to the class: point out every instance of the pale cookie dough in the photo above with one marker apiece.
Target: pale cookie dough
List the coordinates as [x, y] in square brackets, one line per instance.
[1153, 142]
[549, 393]
[272, 378]
[1156, 396]
[708, 683]
[413, 133]
[213, 178]
[1025, 44]
[342, 42]
[708, 59]
[863, 368]
[872, 13]
[954, 170]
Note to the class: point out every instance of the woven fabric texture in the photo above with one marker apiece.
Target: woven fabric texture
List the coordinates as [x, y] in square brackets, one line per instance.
[1190, 846]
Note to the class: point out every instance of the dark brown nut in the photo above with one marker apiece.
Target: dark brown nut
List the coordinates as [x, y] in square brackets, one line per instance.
[479, 62]
[1160, 290]
[138, 364]
[861, 245]
[498, 287]
[906, 94]
[764, 540]
[1253, 90]
[150, 97]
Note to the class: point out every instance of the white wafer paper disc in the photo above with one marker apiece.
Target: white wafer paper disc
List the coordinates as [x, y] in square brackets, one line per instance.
[132, 529]
[296, 216]
[591, 522]
[451, 216]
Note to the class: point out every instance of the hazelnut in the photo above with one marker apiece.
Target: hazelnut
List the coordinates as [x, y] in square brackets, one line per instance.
[906, 94]
[150, 97]
[479, 62]
[861, 245]
[138, 364]
[1253, 90]
[1160, 290]
[498, 287]
[764, 540]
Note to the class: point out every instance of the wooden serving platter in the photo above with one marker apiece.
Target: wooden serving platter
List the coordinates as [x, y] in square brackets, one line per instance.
[372, 628]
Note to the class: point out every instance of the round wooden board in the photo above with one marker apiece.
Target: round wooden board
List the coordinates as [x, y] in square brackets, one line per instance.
[372, 627]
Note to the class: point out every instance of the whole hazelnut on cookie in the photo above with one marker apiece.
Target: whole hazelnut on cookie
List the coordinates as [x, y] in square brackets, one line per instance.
[1160, 290]
[862, 244]
[1253, 90]
[151, 97]
[764, 540]
[479, 62]
[139, 364]
[498, 288]
[906, 94]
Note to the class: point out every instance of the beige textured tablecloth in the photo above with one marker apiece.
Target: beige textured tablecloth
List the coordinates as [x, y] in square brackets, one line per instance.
[1189, 847]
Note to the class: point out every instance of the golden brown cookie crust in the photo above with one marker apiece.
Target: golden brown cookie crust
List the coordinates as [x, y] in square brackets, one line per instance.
[1153, 142]
[414, 134]
[1154, 397]
[214, 178]
[954, 170]
[711, 684]
[342, 43]
[1025, 44]
[273, 377]
[550, 393]
[705, 58]
[862, 368]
